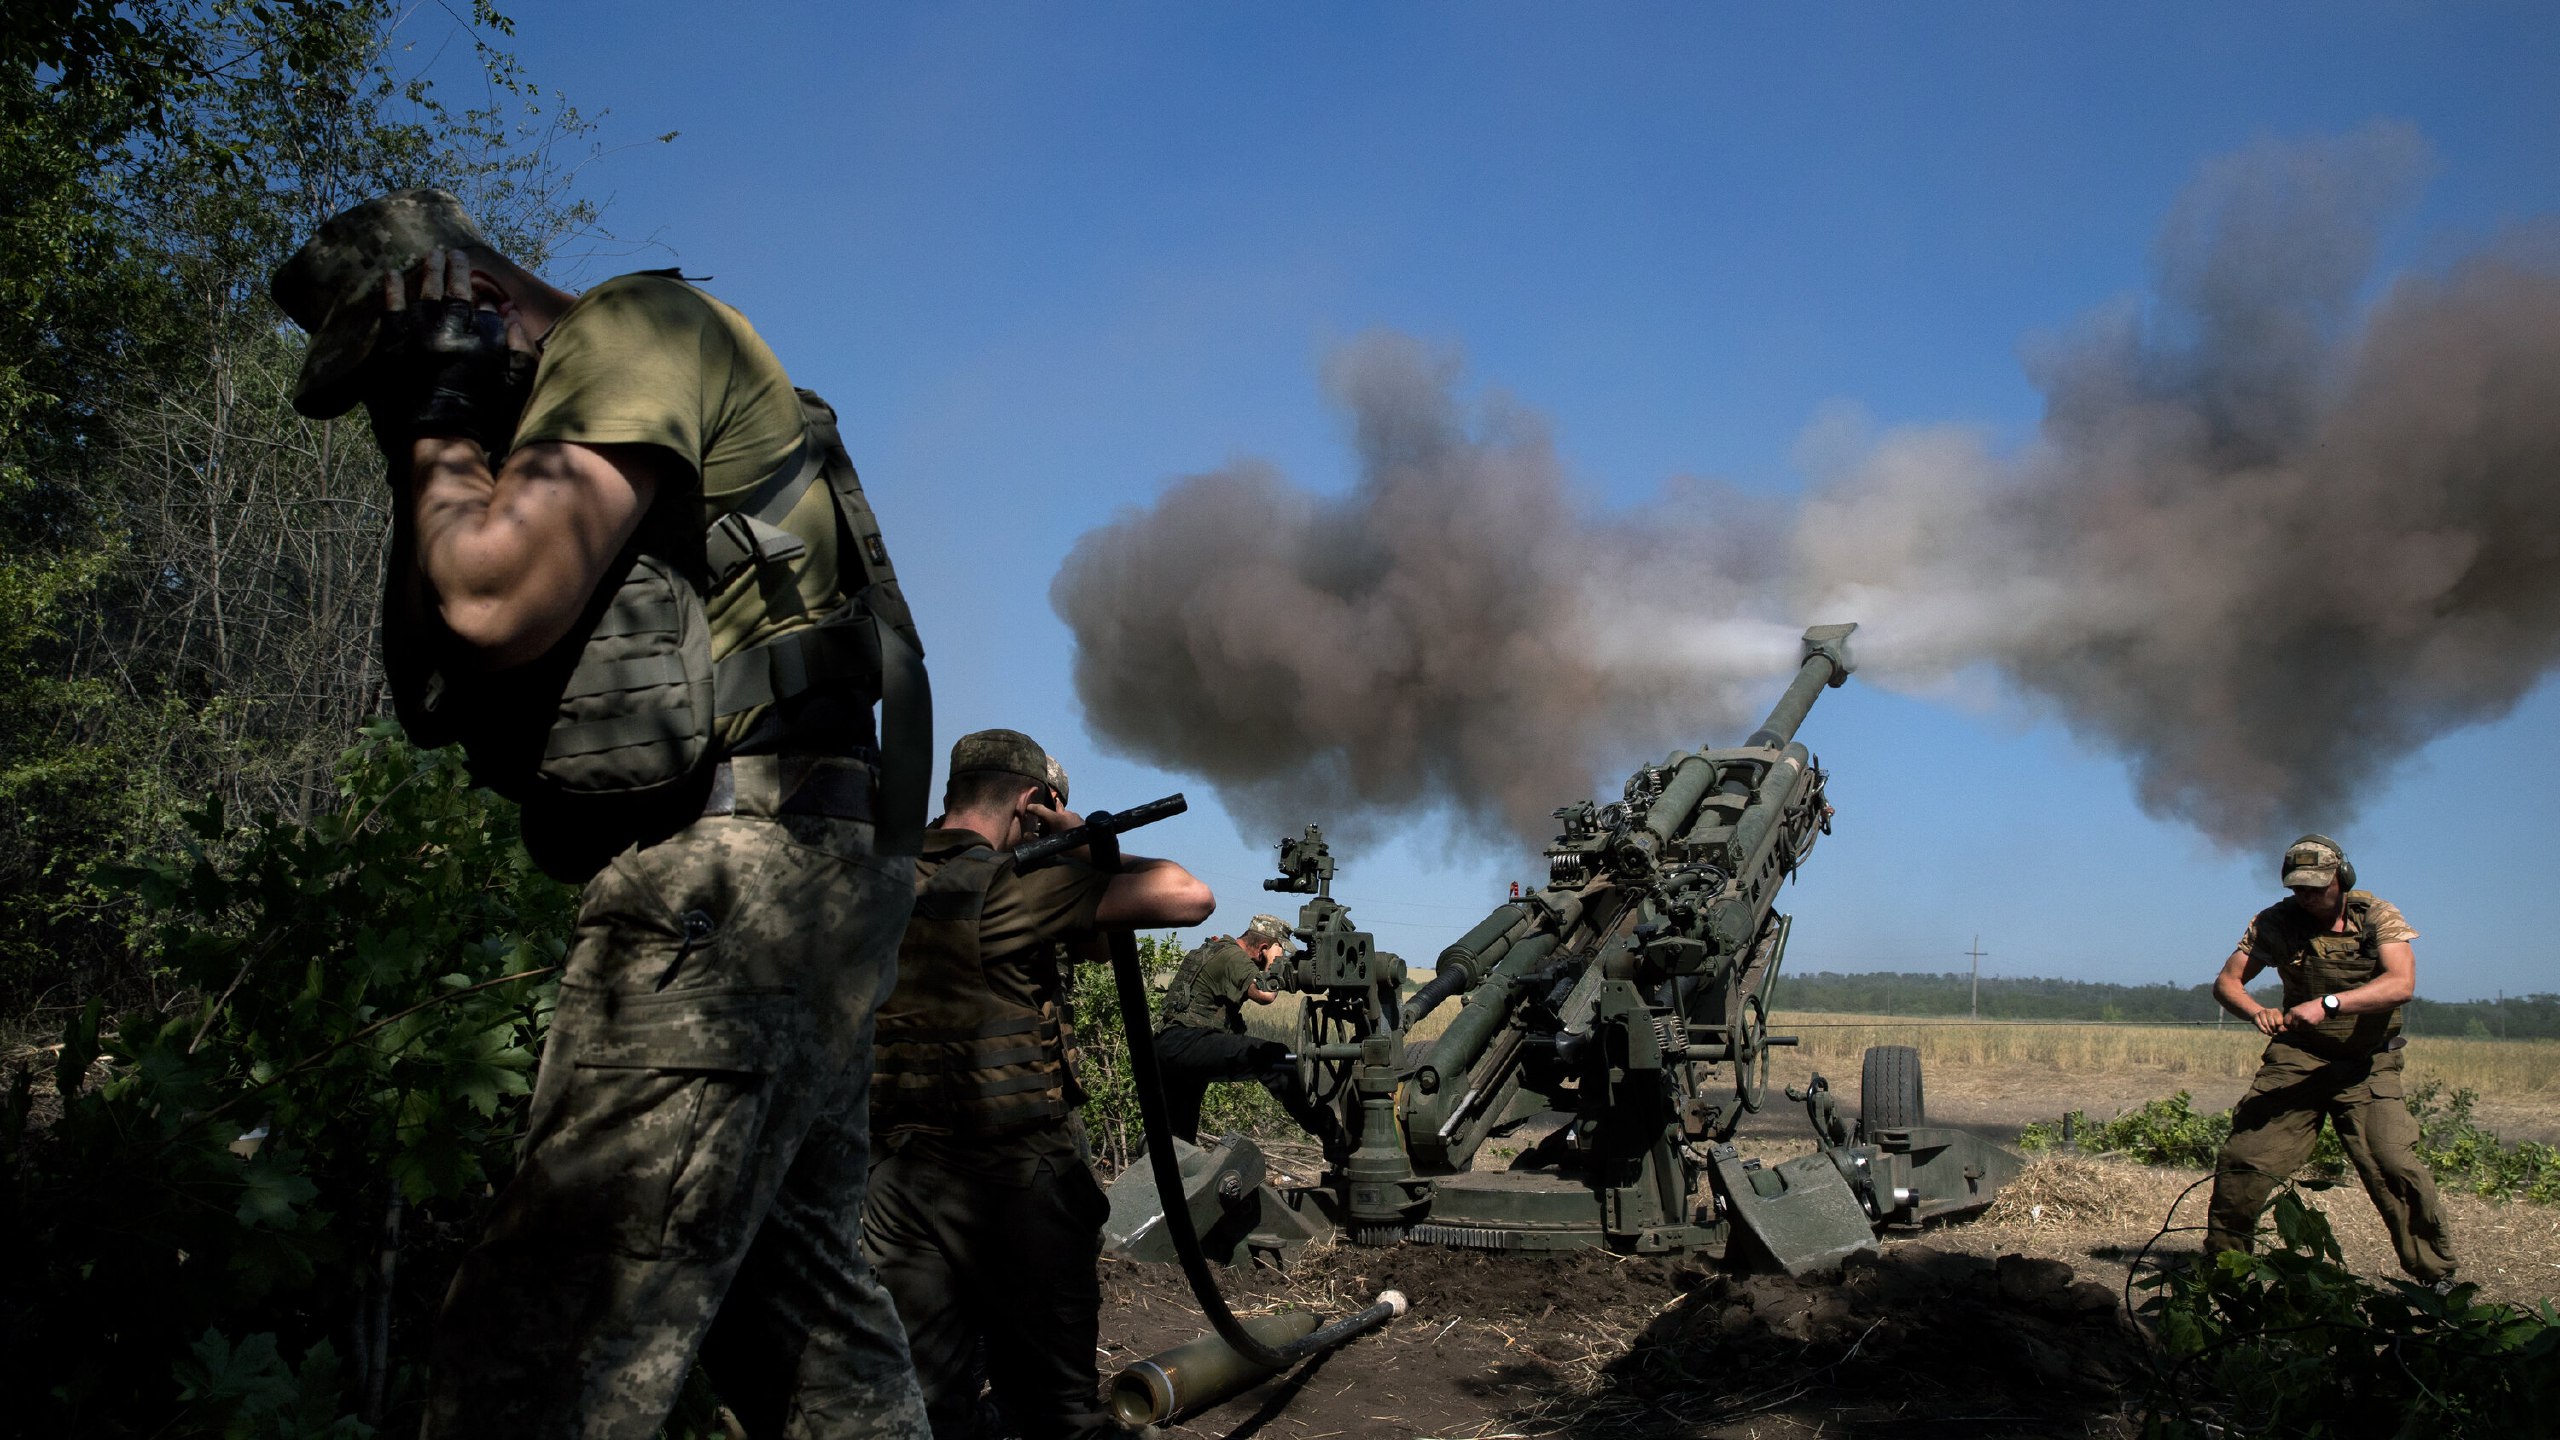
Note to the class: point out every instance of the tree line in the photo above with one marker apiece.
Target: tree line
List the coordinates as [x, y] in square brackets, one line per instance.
[2514, 1017]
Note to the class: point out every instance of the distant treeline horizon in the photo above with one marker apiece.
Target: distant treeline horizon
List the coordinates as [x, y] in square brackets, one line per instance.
[2514, 1017]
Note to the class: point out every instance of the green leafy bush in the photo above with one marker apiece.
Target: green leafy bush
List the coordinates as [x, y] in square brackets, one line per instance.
[2292, 1343]
[2466, 1156]
[287, 1158]
[1111, 1108]
[2462, 1153]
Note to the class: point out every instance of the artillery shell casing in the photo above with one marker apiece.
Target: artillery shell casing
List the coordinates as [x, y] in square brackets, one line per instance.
[1199, 1373]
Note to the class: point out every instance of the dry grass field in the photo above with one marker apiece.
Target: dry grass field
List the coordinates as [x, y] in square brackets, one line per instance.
[2000, 1075]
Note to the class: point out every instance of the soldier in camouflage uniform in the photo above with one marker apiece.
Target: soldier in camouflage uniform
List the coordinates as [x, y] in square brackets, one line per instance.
[2334, 1050]
[984, 1219]
[1201, 1037]
[696, 1147]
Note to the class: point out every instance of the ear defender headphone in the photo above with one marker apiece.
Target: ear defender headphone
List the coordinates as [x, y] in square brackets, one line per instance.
[2346, 867]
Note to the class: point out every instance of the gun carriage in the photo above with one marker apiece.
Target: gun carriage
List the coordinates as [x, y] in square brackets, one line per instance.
[1616, 1021]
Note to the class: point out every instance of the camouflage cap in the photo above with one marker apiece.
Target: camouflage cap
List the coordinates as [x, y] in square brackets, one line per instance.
[1008, 752]
[2312, 860]
[1267, 927]
[332, 286]
[1058, 779]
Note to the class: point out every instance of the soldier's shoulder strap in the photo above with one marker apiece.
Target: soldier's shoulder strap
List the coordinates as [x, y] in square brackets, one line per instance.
[886, 629]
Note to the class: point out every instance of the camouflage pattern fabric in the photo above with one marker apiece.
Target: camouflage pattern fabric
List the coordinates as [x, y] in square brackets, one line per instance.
[694, 1164]
[2272, 1131]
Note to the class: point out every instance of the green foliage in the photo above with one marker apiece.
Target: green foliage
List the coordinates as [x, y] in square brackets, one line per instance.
[228, 1180]
[2292, 1343]
[187, 598]
[2467, 1156]
[1111, 1115]
[2463, 1154]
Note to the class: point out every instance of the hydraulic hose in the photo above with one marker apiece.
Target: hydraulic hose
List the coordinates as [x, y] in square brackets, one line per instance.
[1149, 1076]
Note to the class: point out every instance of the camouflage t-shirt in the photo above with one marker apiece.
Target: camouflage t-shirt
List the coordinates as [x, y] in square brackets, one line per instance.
[1208, 992]
[649, 360]
[1029, 922]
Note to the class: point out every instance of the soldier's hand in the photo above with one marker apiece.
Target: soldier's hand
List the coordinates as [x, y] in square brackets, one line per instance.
[2269, 1020]
[450, 366]
[2305, 1016]
[1054, 819]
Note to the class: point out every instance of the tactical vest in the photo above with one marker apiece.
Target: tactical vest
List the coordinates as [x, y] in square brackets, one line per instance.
[2324, 962]
[1188, 1001]
[609, 739]
[951, 1055]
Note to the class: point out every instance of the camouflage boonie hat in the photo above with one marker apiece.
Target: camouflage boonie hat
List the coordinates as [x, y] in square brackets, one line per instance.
[1008, 752]
[2312, 860]
[332, 287]
[1267, 927]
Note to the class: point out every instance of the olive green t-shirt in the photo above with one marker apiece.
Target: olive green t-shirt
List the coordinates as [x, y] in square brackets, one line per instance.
[1209, 990]
[650, 360]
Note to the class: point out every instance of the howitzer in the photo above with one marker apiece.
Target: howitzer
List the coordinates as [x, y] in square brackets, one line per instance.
[1619, 1015]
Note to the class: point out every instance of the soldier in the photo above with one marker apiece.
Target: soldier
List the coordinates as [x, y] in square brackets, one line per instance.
[637, 580]
[1202, 1038]
[2334, 1050]
[984, 1219]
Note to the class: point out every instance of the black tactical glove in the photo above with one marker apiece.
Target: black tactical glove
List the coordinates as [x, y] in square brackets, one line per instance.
[443, 368]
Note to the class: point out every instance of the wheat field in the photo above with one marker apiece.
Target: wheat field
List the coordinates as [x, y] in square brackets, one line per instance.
[2511, 1069]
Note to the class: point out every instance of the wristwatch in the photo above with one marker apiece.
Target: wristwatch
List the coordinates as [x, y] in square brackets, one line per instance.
[2329, 1003]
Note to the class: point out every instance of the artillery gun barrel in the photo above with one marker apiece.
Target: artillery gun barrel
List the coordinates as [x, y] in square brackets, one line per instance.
[1826, 664]
[1475, 953]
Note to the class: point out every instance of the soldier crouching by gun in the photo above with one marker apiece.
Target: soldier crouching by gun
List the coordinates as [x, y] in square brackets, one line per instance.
[984, 1219]
[1202, 1035]
[633, 575]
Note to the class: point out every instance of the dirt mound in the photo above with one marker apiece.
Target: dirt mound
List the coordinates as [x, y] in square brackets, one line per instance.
[1606, 1347]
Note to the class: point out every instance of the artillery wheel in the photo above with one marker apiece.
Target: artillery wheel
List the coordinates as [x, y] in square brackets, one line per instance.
[1751, 1056]
[1324, 1081]
[1889, 1089]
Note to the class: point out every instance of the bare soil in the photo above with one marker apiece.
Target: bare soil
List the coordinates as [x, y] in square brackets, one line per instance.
[2010, 1323]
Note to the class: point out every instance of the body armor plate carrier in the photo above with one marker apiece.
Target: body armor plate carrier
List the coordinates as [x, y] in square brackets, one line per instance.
[952, 1055]
[610, 738]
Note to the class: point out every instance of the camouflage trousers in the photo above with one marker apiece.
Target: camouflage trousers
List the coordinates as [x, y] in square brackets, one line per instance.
[693, 1167]
[2275, 1125]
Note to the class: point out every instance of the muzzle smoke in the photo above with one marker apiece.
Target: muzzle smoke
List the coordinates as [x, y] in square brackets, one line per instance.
[2267, 539]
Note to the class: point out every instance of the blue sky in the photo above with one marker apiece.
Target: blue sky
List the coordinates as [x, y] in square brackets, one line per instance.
[1046, 259]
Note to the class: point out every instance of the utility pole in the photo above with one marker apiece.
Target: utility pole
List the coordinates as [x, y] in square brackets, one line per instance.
[1977, 952]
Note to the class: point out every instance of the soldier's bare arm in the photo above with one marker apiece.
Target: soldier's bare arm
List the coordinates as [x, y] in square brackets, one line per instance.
[511, 558]
[2231, 988]
[1146, 893]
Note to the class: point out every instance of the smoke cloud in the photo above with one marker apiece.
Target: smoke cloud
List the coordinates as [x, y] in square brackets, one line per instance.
[2263, 545]
[1432, 639]
[2278, 528]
